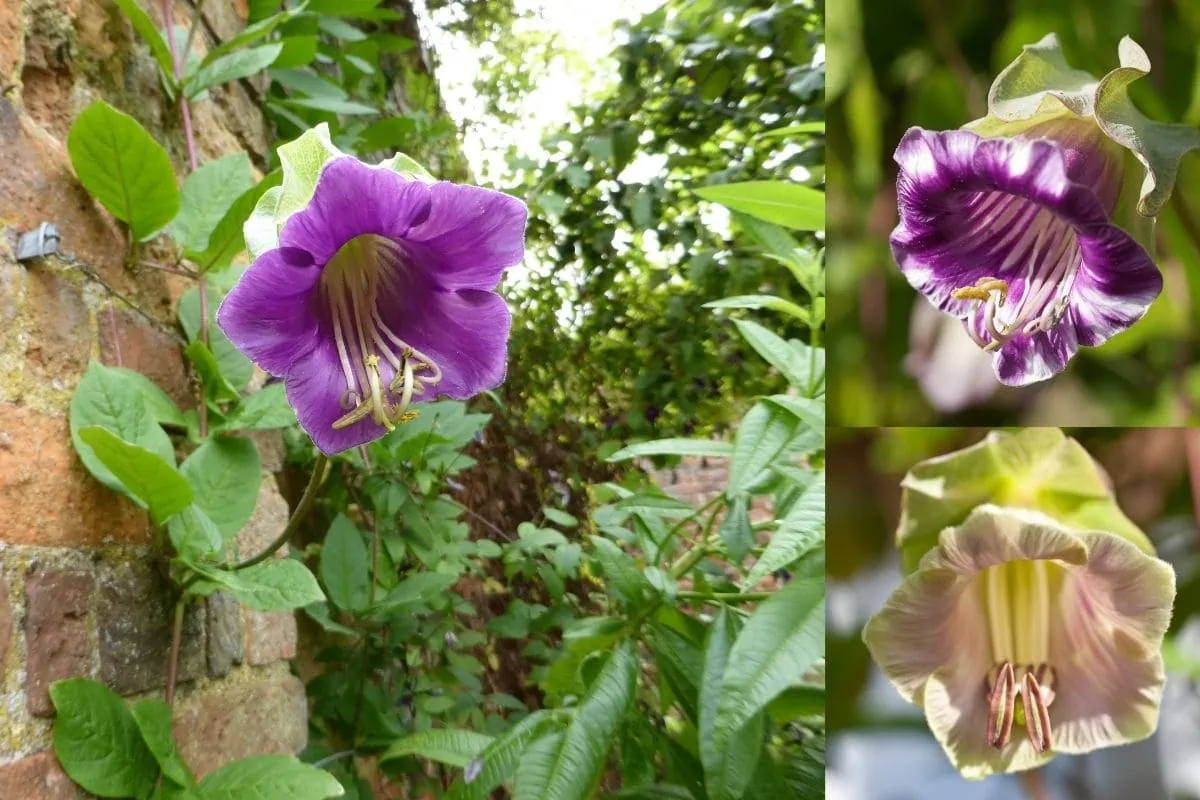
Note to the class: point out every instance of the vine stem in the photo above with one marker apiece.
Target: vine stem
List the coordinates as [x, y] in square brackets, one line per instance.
[723, 597]
[306, 500]
[176, 642]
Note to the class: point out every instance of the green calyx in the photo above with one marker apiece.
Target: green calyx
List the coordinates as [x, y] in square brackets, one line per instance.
[1040, 469]
[1040, 86]
[301, 161]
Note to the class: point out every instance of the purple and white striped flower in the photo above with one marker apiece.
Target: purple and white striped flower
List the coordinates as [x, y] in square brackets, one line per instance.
[1021, 224]
[378, 293]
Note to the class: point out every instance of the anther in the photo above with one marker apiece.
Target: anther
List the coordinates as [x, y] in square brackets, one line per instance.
[1001, 705]
[1037, 715]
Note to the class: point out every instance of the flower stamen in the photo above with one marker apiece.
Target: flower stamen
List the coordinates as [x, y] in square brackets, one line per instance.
[1037, 712]
[1001, 706]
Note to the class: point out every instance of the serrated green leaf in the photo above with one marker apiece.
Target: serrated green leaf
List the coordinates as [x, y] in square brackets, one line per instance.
[799, 532]
[153, 718]
[776, 351]
[225, 473]
[122, 166]
[266, 409]
[761, 436]
[763, 301]
[736, 531]
[625, 581]
[498, 762]
[422, 587]
[779, 202]
[444, 745]
[809, 411]
[332, 105]
[673, 447]
[151, 482]
[273, 585]
[231, 67]
[267, 778]
[97, 741]
[346, 565]
[727, 771]
[207, 195]
[253, 32]
[569, 768]
[780, 643]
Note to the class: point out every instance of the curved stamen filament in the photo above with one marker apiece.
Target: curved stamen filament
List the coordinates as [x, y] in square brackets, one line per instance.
[1037, 714]
[366, 345]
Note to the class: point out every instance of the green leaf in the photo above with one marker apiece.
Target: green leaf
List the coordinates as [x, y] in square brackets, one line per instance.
[193, 534]
[216, 387]
[122, 166]
[263, 777]
[266, 409]
[727, 771]
[809, 411]
[625, 581]
[659, 505]
[776, 351]
[763, 301]
[97, 741]
[560, 518]
[298, 51]
[788, 204]
[151, 482]
[252, 33]
[418, 588]
[345, 565]
[228, 239]
[659, 791]
[273, 585]
[234, 366]
[779, 644]
[332, 105]
[455, 747]
[736, 531]
[208, 193]
[153, 718]
[761, 436]
[498, 761]
[231, 67]
[151, 35]
[802, 530]
[673, 447]
[817, 126]
[569, 768]
[160, 404]
[225, 473]
[111, 398]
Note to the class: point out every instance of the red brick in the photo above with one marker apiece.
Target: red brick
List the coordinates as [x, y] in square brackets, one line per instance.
[270, 636]
[37, 778]
[48, 498]
[60, 337]
[133, 343]
[5, 624]
[263, 718]
[37, 185]
[56, 632]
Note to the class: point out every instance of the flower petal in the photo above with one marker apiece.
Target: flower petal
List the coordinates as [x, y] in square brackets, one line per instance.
[315, 386]
[268, 314]
[1105, 646]
[471, 235]
[352, 200]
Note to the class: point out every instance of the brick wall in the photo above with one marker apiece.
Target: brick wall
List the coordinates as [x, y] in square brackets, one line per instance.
[81, 587]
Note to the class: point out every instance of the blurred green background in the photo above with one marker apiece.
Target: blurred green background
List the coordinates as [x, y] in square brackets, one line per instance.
[895, 64]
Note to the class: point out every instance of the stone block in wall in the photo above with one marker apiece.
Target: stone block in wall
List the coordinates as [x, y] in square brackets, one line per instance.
[270, 636]
[224, 634]
[37, 777]
[230, 721]
[60, 339]
[57, 638]
[130, 341]
[266, 523]
[48, 498]
[134, 618]
[6, 626]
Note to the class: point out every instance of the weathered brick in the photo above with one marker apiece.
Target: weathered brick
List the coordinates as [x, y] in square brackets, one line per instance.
[37, 185]
[60, 338]
[6, 627]
[134, 617]
[11, 38]
[230, 722]
[56, 632]
[224, 634]
[135, 344]
[37, 777]
[48, 497]
[270, 636]
[265, 524]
